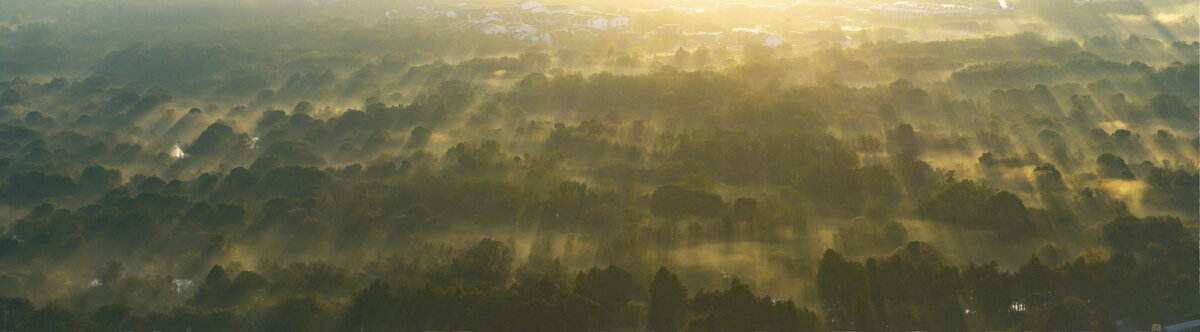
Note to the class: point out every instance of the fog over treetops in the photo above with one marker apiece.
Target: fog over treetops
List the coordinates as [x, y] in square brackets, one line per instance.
[396, 165]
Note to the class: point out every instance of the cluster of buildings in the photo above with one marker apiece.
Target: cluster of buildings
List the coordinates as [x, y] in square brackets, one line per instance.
[924, 8]
[767, 38]
[527, 21]
[534, 22]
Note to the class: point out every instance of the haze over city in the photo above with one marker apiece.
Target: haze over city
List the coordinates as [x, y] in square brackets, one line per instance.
[396, 165]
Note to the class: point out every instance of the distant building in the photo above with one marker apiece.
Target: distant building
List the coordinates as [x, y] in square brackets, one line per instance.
[530, 5]
[921, 9]
[769, 39]
[827, 36]
[618, 22]
[528, 21]
[521, 28]
[493, 30]
[491, 19]
[708, 38]
[774, 40]
[598, 23]
[526, 37]
[671, 29]
[555, 10]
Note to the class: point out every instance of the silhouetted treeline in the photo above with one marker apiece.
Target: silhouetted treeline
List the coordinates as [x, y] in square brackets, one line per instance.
[911, 288]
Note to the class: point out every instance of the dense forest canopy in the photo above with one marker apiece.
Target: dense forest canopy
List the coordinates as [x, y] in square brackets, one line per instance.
[363, 165]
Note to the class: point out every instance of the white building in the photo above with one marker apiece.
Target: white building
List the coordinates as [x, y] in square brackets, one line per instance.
[533, 37]
[554, 10]
[618, 22]
[493, 30]
[598, 23]
[521, 28]
[491, 19]
[530, 5]
[767, 38]
[774, 40]
[922, 9]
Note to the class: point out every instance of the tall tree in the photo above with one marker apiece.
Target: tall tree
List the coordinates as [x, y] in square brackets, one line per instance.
[668, 303]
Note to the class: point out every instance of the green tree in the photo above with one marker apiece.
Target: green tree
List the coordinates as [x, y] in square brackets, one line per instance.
[375, 308]
[668, 303]
[487, 263]
[15, 313]
[611, 287]
[298, 314]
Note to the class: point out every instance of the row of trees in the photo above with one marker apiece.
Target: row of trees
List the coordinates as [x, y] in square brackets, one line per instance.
[599, 299]
[1146, 276]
